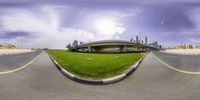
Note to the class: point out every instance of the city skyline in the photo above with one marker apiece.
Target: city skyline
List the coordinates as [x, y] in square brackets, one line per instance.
[54, 24]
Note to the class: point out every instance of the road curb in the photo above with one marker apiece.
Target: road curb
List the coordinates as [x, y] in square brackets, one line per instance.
[102, 81]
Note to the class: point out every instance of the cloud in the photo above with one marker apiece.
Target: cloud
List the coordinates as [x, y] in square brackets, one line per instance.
[43, 24]
[54, 26]
[195, 17]
[193, 35]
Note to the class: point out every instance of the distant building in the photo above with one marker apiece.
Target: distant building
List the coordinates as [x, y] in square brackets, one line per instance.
[198, 46]
[137, 41]
[185, 46]
[131, 39]
[1, 46]
[154, 44]
[189, 46]
[69, 46]
[7, 46]
[160, 46]
[81, 42]
[75, 43]
[145, 39]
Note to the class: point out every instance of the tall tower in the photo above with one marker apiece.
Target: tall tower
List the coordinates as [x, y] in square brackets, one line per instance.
[131, 39]
[137, 39]
[145, 39]
[75, 43]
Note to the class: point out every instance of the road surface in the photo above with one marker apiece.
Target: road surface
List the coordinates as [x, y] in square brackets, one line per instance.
[151, 81]
[14, 61]
[182, 62]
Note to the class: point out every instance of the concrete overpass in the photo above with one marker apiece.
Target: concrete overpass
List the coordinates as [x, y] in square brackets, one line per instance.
[112, 46]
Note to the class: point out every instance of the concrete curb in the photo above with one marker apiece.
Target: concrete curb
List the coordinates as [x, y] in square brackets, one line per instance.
[102, 81]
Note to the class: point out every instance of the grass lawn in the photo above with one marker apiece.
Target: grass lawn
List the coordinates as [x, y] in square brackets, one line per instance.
[95, 66]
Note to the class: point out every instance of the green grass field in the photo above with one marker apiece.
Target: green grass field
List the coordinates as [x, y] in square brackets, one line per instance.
[95, 66]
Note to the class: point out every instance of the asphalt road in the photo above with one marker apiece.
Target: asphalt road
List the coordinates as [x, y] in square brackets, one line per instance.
[151, 81]
[10, 62]
[183, 62]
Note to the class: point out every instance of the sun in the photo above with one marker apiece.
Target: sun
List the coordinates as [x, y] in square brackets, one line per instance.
[105, 25]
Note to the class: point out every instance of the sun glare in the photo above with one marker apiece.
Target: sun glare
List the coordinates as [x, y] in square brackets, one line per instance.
[105, 25]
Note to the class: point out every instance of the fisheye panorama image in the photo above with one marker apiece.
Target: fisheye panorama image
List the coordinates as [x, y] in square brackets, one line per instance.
[99, 50]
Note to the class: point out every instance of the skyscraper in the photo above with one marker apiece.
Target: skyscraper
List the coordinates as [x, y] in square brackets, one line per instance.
[145, 39]
[75, 43]
[131, 39]
[137, 39]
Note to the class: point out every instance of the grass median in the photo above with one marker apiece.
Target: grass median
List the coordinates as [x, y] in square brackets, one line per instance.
[94, 66]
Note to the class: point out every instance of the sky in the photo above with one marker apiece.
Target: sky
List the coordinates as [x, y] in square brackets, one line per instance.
[56, 23]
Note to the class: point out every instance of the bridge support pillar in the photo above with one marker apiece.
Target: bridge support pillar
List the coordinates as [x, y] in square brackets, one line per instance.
[125, 48]
[121, 49]
[89, 48]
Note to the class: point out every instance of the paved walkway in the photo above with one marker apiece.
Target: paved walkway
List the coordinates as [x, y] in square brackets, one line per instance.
[151, 81]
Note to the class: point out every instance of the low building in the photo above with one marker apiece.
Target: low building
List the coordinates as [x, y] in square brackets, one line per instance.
[198, 46]
[185, 46]
[7, 46]
[154, 44]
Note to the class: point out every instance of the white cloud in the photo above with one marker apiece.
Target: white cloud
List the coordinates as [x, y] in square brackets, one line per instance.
[194, 16]
[44, 25]
[108, 26]
[132, 11]
[22, 21]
